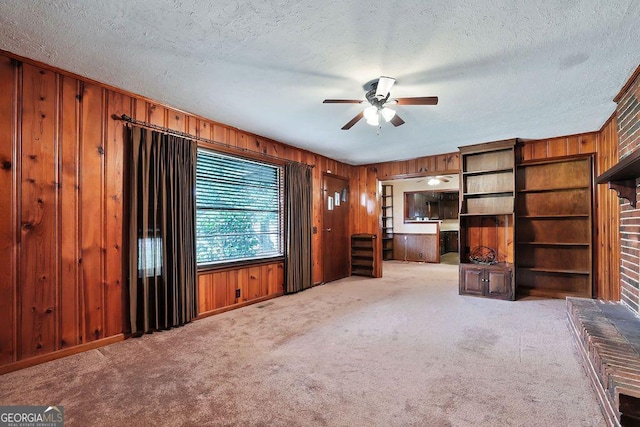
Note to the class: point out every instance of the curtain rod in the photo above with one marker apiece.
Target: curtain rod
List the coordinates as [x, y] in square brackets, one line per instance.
[168, 131]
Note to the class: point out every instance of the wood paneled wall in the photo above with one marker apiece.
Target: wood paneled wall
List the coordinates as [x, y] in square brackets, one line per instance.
[429, 165]
[416, 247]
[365, 205]
[562, 146]
[607, 217]
[226, 289]
[61, 223]
[61, 227]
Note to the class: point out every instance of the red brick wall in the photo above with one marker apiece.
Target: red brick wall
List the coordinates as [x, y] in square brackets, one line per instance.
[628, 113]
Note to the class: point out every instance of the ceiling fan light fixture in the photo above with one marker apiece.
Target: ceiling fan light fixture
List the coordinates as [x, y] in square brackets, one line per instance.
[374, 120]
[433, 181]
[387, 113]
[370, 112]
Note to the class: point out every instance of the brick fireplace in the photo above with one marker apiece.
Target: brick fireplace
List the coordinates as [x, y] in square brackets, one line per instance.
[607, 333]
[628, 115]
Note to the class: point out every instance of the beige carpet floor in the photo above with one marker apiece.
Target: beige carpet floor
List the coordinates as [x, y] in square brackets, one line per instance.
[404, 350]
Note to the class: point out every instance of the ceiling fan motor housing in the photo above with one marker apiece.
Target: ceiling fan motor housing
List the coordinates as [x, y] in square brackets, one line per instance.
[373, 100]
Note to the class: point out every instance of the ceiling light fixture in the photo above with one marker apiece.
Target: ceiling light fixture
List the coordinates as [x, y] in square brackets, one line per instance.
[433, 181]
[372, 114]
[387, 113]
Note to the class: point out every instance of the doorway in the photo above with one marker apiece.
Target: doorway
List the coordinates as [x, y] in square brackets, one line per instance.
[335, 228]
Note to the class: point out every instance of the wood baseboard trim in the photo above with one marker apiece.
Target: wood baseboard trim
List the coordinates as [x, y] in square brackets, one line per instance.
[32, 361]
[235, 306]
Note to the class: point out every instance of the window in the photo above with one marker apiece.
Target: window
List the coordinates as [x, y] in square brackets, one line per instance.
[238, 209]
[149, 256]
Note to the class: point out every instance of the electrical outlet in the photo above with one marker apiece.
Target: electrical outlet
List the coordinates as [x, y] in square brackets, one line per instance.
[420, 255]
[405, 238]
[237, 293]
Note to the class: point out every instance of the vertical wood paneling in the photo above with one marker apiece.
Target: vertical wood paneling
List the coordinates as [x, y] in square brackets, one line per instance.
[220, 289]
[113, 220]
[8, 152]
[221, 134]
[267, 277]
[176, 120]
[540, 149]
[607, 240]
[559, 148]
[278, 286]
[204, 297]
[562, 146]
[217, 289]
[241, 140]
[69, 223]
[67, 209]
[91, 208]
[140, 110]
[253, 284]
[428, 165]
[192, 125]
[587, 143]
[38, 267]
[156, 114]
[239, 279]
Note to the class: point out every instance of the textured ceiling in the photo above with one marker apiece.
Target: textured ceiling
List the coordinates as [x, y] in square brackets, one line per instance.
[502, 69]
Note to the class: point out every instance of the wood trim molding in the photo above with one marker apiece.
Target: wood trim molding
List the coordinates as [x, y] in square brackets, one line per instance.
[627, 85]
[613, 116]
[32, 361]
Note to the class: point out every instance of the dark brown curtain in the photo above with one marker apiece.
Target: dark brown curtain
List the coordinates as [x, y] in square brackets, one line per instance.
[298, 189]
[162, 263]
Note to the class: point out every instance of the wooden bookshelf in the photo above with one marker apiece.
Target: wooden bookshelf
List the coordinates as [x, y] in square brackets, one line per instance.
[487, 217]
[554, 228]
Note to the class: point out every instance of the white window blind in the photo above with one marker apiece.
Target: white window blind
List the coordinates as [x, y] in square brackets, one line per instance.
[238, 209]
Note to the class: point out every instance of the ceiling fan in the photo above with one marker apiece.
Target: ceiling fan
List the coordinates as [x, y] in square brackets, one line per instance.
[436, 179]
[378, 98]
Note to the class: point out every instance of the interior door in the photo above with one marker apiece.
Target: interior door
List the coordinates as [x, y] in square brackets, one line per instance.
[335, 228]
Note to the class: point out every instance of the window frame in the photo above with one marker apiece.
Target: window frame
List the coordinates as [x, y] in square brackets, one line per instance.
[247, 157]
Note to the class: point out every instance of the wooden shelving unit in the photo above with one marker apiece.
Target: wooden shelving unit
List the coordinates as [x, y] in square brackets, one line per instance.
[554, 228]
[387, 222]
[487, 217]
[363, 250]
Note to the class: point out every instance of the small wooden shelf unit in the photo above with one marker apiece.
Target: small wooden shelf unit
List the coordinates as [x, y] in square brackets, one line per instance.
[363, 249]
[387, 222]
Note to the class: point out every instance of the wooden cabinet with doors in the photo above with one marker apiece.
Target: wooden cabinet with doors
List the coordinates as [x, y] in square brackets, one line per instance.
[493, 281]
[387, 222]
[554, 228]
[487, 217]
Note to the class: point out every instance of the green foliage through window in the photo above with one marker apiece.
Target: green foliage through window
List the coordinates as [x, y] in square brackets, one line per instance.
[238, 209]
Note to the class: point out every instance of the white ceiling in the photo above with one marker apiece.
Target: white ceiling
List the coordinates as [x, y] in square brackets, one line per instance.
[501, 68]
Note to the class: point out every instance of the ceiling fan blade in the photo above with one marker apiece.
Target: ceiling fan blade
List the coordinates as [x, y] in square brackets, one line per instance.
[353, 121]
[423, 100]
[396, 120]
[384, 86]
[342, 101]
